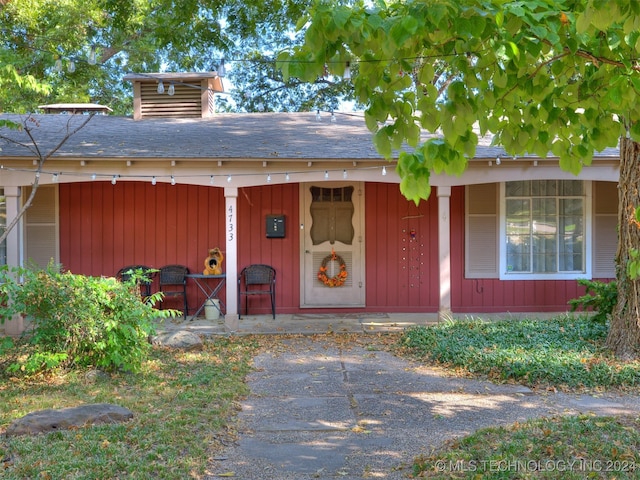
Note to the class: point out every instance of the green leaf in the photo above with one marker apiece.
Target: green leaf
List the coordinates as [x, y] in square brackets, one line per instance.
[382, 142]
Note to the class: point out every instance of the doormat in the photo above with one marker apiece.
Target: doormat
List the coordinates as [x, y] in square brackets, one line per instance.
[338, 316]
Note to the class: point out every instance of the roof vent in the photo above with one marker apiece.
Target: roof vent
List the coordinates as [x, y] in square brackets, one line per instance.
[75, 108]
[180, 95]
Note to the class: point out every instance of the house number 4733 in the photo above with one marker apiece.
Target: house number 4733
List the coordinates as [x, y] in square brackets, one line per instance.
[230, 223]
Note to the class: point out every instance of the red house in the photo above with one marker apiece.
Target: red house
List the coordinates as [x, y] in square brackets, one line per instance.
[288, 189]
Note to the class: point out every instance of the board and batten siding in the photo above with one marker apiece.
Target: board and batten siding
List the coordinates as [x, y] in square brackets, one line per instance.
[254, 204]
[104, 227]
[478, 289]
[401, 251]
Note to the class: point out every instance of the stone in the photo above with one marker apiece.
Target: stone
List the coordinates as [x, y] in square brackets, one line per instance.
[182, 339]
[53, 420]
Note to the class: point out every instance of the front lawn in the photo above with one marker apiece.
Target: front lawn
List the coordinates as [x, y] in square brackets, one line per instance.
[563, 353]
[183, 404]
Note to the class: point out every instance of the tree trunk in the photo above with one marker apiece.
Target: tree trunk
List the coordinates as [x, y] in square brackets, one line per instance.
[624, 332]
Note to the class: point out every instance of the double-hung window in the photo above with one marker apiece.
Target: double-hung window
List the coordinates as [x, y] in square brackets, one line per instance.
[544, 227]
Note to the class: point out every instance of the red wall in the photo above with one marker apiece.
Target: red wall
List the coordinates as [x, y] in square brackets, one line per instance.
[402, 271]
[104, 227]
[254, 204]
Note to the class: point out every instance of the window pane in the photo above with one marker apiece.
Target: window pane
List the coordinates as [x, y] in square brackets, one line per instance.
[518, 189]
[571, 188]
[544, 188]
[571, 224]
[518, 253]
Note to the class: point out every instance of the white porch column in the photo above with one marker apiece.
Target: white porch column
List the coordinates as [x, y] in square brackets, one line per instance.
[231, 235]
[14, 326]
[444, 250]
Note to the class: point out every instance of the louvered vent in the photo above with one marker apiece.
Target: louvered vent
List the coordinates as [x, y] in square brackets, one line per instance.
[192, 94]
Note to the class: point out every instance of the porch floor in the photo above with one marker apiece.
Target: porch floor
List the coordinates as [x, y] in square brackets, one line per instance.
[326, 323]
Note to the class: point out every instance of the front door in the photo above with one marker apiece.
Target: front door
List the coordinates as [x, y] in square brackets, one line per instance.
[332, 237]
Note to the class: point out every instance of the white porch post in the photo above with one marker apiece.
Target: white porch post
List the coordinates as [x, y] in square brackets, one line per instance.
[444, 250]
[231, 235]
[15, 326]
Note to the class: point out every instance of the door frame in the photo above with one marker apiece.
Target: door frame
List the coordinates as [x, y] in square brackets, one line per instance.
[358, 272]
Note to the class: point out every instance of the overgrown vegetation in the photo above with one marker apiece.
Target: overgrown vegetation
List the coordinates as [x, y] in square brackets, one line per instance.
[562, 352]
[183, 403]
[573, 447]
[599, 297]
[76, 321]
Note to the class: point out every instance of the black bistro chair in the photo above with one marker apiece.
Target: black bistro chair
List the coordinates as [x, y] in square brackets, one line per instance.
[144, 283]
[173, 283]
[257, 280]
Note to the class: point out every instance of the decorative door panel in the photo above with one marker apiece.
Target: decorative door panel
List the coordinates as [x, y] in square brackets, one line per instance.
[332, 237]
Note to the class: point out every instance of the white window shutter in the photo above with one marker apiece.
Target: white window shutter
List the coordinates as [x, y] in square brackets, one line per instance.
[41, 227]
[605, 229]
[481, 231]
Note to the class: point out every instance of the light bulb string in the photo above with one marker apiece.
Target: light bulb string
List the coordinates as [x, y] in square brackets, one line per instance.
[212, 178]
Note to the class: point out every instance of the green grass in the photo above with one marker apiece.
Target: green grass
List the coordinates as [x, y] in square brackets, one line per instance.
[565, 352]
[183, 405]
[572, 447]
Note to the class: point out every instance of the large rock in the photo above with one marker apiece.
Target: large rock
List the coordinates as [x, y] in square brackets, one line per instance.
[182, 339]
[46, 421]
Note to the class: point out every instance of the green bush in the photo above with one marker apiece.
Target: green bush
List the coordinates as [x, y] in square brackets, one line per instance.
[78, 320]
[600, 297]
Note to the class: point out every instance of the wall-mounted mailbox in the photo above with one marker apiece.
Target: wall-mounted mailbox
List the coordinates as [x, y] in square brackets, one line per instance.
[275, 226]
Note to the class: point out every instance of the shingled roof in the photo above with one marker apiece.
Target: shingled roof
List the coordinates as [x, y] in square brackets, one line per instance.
[225, 136]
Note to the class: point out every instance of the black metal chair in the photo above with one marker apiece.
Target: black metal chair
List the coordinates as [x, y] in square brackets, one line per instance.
[173, 283]
[144, 281]
[257, 280]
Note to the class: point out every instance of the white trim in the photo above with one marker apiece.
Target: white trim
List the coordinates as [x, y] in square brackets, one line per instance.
[588, 235]
[444, 250]
[231, 244]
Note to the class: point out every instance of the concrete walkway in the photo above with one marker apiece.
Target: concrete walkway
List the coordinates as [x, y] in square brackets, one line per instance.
[322, 409]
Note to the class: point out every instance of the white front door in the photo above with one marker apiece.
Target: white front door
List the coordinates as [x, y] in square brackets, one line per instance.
[332, 238]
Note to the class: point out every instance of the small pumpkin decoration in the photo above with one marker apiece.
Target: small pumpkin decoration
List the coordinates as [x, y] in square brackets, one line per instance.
[337, 280]
[213, 263]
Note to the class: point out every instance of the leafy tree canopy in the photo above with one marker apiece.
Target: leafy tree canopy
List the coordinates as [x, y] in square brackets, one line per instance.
[50, 45]
[541, 76]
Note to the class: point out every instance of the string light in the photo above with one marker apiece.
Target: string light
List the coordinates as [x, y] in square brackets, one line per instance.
[160, 87]
[347, 72]
[211, 180]
[153, 180]
[172, 89]
[92, 55]
[287, 177]
[344, 174]
[55, 178]
[326, 174]
[93, 176]
[384, 171]
[221, 70]
[173, 180]
[58, 66]
[114, 179]
[71, 67]
[229, 179]
[268, 178]
[498, 161]
[318, 118]
[333, 117]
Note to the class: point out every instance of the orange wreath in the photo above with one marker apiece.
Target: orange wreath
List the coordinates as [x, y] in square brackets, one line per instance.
[340, 278]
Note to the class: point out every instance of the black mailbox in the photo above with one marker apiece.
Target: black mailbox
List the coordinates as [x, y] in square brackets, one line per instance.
[275, 226]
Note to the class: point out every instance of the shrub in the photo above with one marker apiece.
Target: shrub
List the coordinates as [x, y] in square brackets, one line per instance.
[600, 297]
[79, 320]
